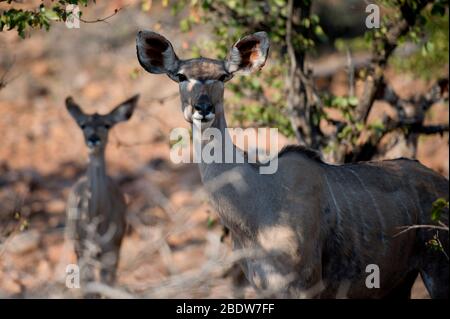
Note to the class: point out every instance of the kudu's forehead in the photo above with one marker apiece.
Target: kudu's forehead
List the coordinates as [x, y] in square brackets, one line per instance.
[95, 119]
[203, 69]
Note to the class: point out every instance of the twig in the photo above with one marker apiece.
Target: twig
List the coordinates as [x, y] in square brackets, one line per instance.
[101, 19]
[351, 74]
[408, 228]
[3, 79]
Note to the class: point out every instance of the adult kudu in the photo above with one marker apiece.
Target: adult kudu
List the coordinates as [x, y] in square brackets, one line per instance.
[319, 225]
[96, 207]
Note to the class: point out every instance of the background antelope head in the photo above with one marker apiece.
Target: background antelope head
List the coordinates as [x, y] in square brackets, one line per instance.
[201, 80]
[95, 127]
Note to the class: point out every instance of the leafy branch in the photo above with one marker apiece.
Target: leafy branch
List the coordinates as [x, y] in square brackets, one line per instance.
[41, 18]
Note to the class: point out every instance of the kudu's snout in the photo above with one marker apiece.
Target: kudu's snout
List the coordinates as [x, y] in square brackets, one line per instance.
[93, 141]
[204, 105]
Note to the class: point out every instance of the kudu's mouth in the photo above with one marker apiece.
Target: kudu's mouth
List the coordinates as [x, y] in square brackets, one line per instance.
[204, 118]
[93, 143]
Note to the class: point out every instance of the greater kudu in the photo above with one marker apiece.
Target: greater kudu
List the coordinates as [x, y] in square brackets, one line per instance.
[96, 207]
[319, 225]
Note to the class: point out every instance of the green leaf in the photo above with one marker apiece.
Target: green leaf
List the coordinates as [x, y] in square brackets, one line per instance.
[353, 101]
[51, 15]
[438, 208]
[185, 25]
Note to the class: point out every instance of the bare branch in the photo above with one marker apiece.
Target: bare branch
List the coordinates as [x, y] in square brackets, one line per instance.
[430, 129]
[383, 49]
[351, 74]
[4, 77]
[413, 124]
[303, 100]
[408, 228]
[101, 19]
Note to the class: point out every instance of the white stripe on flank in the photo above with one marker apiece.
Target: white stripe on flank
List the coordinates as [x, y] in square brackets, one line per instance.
[338, 210]
[354, 218]
[377, 209]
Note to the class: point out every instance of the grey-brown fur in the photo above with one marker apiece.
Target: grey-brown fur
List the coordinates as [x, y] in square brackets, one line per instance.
[318, 225]
[96, 207]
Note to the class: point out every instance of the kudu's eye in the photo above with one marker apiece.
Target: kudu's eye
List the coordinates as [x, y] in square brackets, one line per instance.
[223, 77]
[83, 126]
[107, 126]
[181, 77]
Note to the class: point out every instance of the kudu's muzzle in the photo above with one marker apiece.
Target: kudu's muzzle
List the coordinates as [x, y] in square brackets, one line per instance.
[93, 141]
[204, 106]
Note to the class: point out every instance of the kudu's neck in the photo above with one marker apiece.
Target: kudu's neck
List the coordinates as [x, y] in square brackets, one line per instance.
[228, 182]
[227, 161]
[98, 183]
[96, 171]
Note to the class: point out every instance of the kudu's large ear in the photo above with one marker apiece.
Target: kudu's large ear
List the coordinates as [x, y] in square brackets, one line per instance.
[75, 110]
[123, 111]
[249, 54]
[155, 53]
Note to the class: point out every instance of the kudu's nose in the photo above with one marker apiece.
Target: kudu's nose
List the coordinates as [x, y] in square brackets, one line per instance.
[93, 140]
[203, 105]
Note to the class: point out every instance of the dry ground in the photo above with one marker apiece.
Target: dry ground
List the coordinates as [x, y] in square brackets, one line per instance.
[173, 231]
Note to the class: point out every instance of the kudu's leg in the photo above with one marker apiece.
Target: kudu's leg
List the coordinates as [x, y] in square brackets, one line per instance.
[434, 267]
[87, 275]
[108, 270]
[435, 274]
[87, 266]
[87, 269]
[403, 290]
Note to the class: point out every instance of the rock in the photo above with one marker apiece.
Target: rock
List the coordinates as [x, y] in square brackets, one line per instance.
[9, 287]
[24, 242]
[181, 198]
[43, 270]
[63, 252]
[56, 206]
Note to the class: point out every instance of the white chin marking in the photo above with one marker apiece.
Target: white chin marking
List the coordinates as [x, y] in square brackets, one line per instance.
[202, 125]
[210, 117]
[206, 119]
[197, 116]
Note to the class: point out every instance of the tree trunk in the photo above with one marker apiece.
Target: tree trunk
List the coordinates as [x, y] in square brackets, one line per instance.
[300, 94]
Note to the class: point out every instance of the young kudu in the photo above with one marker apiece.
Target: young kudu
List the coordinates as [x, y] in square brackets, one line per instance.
[96, 207]
[319, 226]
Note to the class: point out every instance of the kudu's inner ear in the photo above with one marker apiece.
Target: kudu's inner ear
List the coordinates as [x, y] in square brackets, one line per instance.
[74, 110]
[155, 53]
[123, 111]
[248, 54]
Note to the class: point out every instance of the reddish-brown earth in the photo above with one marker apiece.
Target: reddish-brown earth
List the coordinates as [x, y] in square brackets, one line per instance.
[173, 231]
